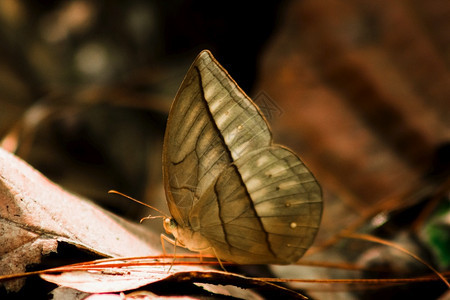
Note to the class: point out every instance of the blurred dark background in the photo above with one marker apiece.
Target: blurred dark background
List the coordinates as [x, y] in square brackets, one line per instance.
[86, 85]
[360, 90]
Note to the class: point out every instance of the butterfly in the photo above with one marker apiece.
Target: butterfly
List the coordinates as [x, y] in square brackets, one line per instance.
[231, 192]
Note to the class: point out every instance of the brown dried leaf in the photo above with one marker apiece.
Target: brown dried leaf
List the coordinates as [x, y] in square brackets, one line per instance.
[129, 277]
[109, 280]
[36, 214]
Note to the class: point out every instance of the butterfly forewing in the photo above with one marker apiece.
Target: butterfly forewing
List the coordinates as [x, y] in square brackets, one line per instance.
[226, 184]
[211, 123]
[238, 119]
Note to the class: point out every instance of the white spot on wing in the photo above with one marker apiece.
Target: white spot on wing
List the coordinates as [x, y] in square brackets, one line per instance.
[214, 105]
[276, 171]
[231, 136]
[238, 150]
[221, 118]
[287, 185]
[261, 193]
[261, 161]
[210, 90]
[265, 208]
[245, 174]
[253, 184]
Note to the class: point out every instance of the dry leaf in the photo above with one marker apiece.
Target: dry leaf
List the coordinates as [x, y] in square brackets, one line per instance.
[115, 279]
[131, 276]
[68, 293]
[36, 215]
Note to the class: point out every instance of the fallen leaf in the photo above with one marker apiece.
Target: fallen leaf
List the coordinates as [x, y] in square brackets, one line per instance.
[115, 279]
[102, 277]
[36, 215]
[68, 293]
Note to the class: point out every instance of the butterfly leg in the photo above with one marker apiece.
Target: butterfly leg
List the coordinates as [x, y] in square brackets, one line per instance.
[218, 259]
[171, 241]
[175, 244]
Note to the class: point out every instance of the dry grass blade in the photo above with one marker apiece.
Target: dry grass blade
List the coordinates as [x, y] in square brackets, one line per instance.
[374, 239]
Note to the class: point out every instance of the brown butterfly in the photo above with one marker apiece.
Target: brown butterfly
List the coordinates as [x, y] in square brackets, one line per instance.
[233, 193]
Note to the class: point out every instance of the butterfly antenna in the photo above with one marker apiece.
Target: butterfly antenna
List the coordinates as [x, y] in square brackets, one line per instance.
[151, 217]
[140, 202]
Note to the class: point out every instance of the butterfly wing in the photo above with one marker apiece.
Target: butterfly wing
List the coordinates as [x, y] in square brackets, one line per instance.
[265, 208]
[252, 201]
[211, 123]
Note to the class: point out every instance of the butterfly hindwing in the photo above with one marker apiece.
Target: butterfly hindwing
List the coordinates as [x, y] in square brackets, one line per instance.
[269, 208]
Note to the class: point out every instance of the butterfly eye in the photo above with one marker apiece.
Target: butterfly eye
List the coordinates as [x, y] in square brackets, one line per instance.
[170, 225]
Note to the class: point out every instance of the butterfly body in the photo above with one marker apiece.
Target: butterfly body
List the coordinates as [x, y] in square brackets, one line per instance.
[230, 190]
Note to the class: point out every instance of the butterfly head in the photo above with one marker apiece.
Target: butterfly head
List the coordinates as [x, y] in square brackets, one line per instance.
[186, 237]
[170, 225]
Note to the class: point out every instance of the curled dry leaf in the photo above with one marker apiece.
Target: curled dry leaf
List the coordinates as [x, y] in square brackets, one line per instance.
[115, 279]
[133, 276]
[36, 215]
